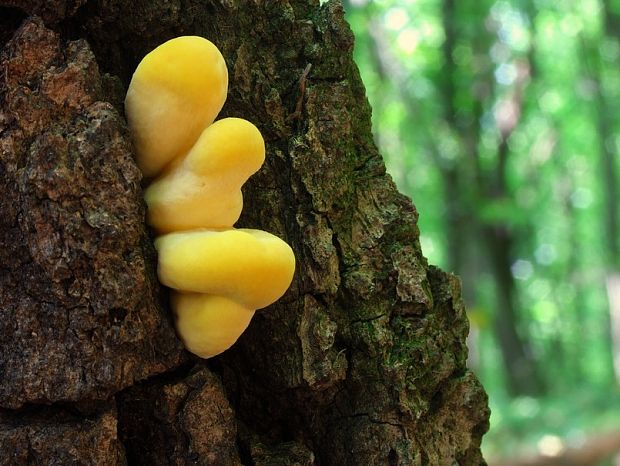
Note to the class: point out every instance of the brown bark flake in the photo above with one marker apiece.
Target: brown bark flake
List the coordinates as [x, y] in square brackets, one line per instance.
[79, 317]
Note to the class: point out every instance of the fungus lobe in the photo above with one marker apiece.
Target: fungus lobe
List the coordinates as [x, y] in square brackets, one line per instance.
[219, 275]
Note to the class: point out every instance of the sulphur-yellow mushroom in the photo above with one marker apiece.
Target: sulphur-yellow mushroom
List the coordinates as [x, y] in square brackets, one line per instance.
[176, 91]
[251, 267]
[219, 275]
[207, 324]
[204, 189]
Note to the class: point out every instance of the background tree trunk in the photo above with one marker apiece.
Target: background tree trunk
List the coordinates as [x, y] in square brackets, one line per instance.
[361, 363]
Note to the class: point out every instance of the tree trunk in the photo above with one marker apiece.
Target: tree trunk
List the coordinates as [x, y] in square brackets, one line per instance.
[361, 363]
[606, 122]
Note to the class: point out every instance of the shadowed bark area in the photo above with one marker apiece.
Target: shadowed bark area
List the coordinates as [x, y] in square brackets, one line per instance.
[363, 360]
[179, 420]
[55, 436]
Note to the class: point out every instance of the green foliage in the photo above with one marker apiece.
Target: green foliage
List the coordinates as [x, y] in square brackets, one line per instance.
[496, 116]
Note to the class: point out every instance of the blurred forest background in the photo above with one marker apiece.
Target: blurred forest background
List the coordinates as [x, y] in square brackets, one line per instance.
[501, 119]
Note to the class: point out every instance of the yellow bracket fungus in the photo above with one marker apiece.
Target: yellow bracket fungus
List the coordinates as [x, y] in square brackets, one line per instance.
[219, 275]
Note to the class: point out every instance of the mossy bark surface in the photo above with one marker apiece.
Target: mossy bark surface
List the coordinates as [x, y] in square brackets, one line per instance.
[362, 362]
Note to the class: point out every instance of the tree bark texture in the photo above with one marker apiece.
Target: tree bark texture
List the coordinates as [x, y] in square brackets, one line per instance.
[363, 360]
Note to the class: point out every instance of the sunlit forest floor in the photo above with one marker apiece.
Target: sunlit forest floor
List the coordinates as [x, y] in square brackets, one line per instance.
[546, 425]
[501, 120]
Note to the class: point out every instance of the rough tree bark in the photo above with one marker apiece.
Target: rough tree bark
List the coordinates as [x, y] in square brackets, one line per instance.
[361, 363]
